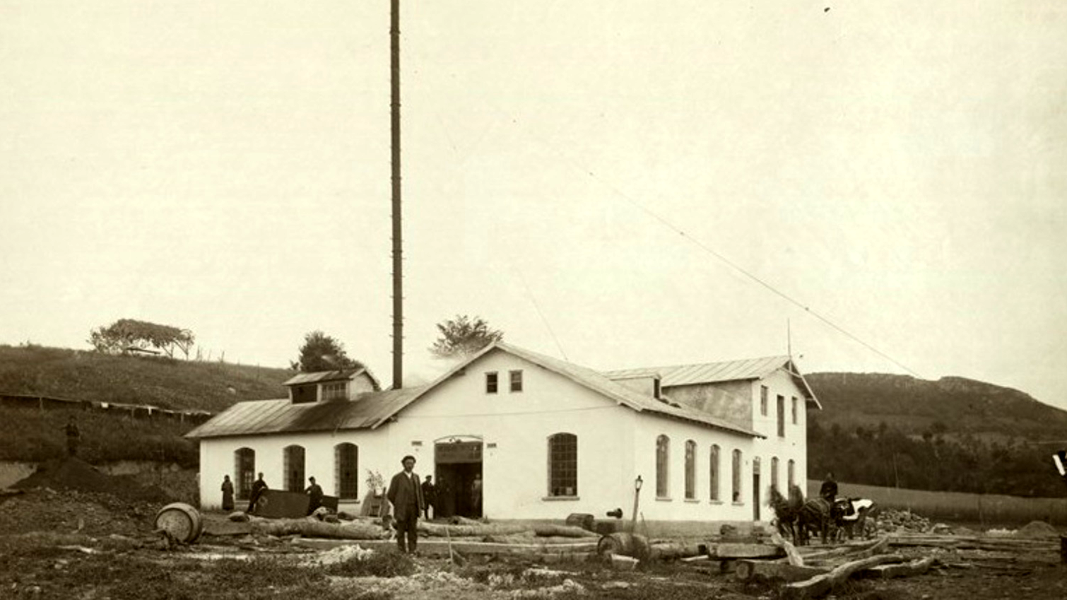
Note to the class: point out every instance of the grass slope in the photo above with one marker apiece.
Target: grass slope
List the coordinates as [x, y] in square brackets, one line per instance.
[962, 406]
[162, 382]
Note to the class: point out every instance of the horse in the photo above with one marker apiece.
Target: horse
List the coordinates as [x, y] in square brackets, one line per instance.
[815, 514]
[786, 510]
[850, 515]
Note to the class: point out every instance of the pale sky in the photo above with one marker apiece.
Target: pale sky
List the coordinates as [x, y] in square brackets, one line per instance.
[899, 167]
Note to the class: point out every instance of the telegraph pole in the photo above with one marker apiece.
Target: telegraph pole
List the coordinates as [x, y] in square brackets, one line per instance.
[398, 267]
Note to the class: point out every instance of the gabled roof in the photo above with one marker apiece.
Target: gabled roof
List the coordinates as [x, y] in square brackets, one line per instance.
[325, 376]
[598, 383]
[258, 417]
[720, 372]
[371, 410]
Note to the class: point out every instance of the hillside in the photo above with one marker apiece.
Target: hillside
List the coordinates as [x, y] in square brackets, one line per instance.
[163, 382]
[953, 405]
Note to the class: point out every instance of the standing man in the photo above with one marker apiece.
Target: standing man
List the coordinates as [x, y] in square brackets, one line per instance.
[73, 436]
[406, 495]
[829, 488]
[227, 493]
[257, 490]
[429, 496]
[314, 492]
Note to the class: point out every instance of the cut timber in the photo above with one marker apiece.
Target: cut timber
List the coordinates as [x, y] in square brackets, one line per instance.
[820, 585]
[484, 529]
[315, 528]
[549, 530]
[791, 554]
[915, 567]
[748, 570]
[439, 547]
[624, 544]
[853, 552]
[670, 550]
[744, 551]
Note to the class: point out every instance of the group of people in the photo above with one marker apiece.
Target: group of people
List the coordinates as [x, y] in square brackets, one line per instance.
[410, 497]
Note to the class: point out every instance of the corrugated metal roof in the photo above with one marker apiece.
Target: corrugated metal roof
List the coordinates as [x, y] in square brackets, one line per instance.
[281, 416]
[718, 372]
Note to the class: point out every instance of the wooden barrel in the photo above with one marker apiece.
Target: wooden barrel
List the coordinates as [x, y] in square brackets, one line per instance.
[181, 521]
[624, 544]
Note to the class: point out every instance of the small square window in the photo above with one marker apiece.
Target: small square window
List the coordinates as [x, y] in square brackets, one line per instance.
[516, 381]
[490, 382]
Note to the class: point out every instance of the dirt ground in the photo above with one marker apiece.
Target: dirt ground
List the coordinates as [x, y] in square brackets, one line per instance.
[95, 545]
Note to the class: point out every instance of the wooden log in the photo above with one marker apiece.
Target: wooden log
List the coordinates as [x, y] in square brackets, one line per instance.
[792, 556]
[749, 570]
[820, 585]
[478, 530]
[549, 530]
[878, 547]
[908, 569]
[728, 550]
[858, 550]
[316, 528]
[671, 550]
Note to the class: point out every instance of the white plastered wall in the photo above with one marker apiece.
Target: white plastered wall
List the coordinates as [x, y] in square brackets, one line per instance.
[793, 446]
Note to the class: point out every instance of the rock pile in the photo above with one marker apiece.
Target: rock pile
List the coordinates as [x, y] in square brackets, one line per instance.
[901, 521]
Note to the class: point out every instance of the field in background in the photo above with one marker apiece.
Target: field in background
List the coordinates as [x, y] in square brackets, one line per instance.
[157, 381]
[984, 510]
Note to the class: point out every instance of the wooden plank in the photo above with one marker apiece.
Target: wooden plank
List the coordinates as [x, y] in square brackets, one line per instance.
[749, 570]
[792, 556]
[908, 569]
[435, 547]
[820, 585]
[744, 551]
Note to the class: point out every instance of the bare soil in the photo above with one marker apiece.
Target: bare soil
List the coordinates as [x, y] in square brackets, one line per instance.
[64, 542]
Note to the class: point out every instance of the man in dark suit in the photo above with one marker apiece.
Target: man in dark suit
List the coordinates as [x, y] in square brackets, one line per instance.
[405, 494]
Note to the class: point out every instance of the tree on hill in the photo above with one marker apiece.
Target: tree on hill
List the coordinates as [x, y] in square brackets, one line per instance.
[463, 336]
[321, 352]
[129, 335]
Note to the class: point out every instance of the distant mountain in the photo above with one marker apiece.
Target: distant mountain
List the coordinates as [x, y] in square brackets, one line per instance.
[163, 382]
[952, 405]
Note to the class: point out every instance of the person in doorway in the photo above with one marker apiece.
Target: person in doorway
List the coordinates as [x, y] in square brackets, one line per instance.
[476, 496]
[73, 436]
[227, 493]
[258, 486]
[444, 499]
[405, 493]
[314, 492]
[429, 496]
[828, 491]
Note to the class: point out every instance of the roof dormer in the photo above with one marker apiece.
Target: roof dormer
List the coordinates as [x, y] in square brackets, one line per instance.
[329, 386]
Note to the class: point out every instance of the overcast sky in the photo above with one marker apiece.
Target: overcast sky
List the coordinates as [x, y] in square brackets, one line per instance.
[574, 172]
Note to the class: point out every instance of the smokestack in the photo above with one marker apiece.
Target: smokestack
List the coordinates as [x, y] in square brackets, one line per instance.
[398, 268]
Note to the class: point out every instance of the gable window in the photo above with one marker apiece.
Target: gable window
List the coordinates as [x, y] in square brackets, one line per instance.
[302, 394]
[516, 380]
[690, 470]
[563, 465]
[781, 416]
[791, 473]
[713, 472]
[491, 382]
[763, 400]
[774, 473]
[663, 451]
[333, 391]
[736, 483]
[293, 457]
[244, 468]
[346, 470]
[794, 410]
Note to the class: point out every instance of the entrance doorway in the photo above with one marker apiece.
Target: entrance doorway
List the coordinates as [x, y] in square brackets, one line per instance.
[755, 488]
[458, 475]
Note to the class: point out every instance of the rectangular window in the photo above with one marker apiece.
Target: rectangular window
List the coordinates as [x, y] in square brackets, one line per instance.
[794, 410]
[516, 380]
[333, 391]
[781, 416]
[713, 472]
[490, 382]
[563, 465]
[763, 400]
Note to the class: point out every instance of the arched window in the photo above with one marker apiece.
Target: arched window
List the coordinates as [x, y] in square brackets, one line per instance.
[663, 455]
[293, 457]
[690, 470]
[736, 488]
[244, 469]
[346, 471]
[774, 473]
[791, 473]
[563, 465]
[713, 472]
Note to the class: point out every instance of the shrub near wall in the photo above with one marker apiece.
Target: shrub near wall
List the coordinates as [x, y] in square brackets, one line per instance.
[986, 509]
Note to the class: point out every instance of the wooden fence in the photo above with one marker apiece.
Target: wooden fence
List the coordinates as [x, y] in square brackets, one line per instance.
[143, 411]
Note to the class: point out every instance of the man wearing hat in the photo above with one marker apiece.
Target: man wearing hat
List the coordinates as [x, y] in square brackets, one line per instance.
[405, 493]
